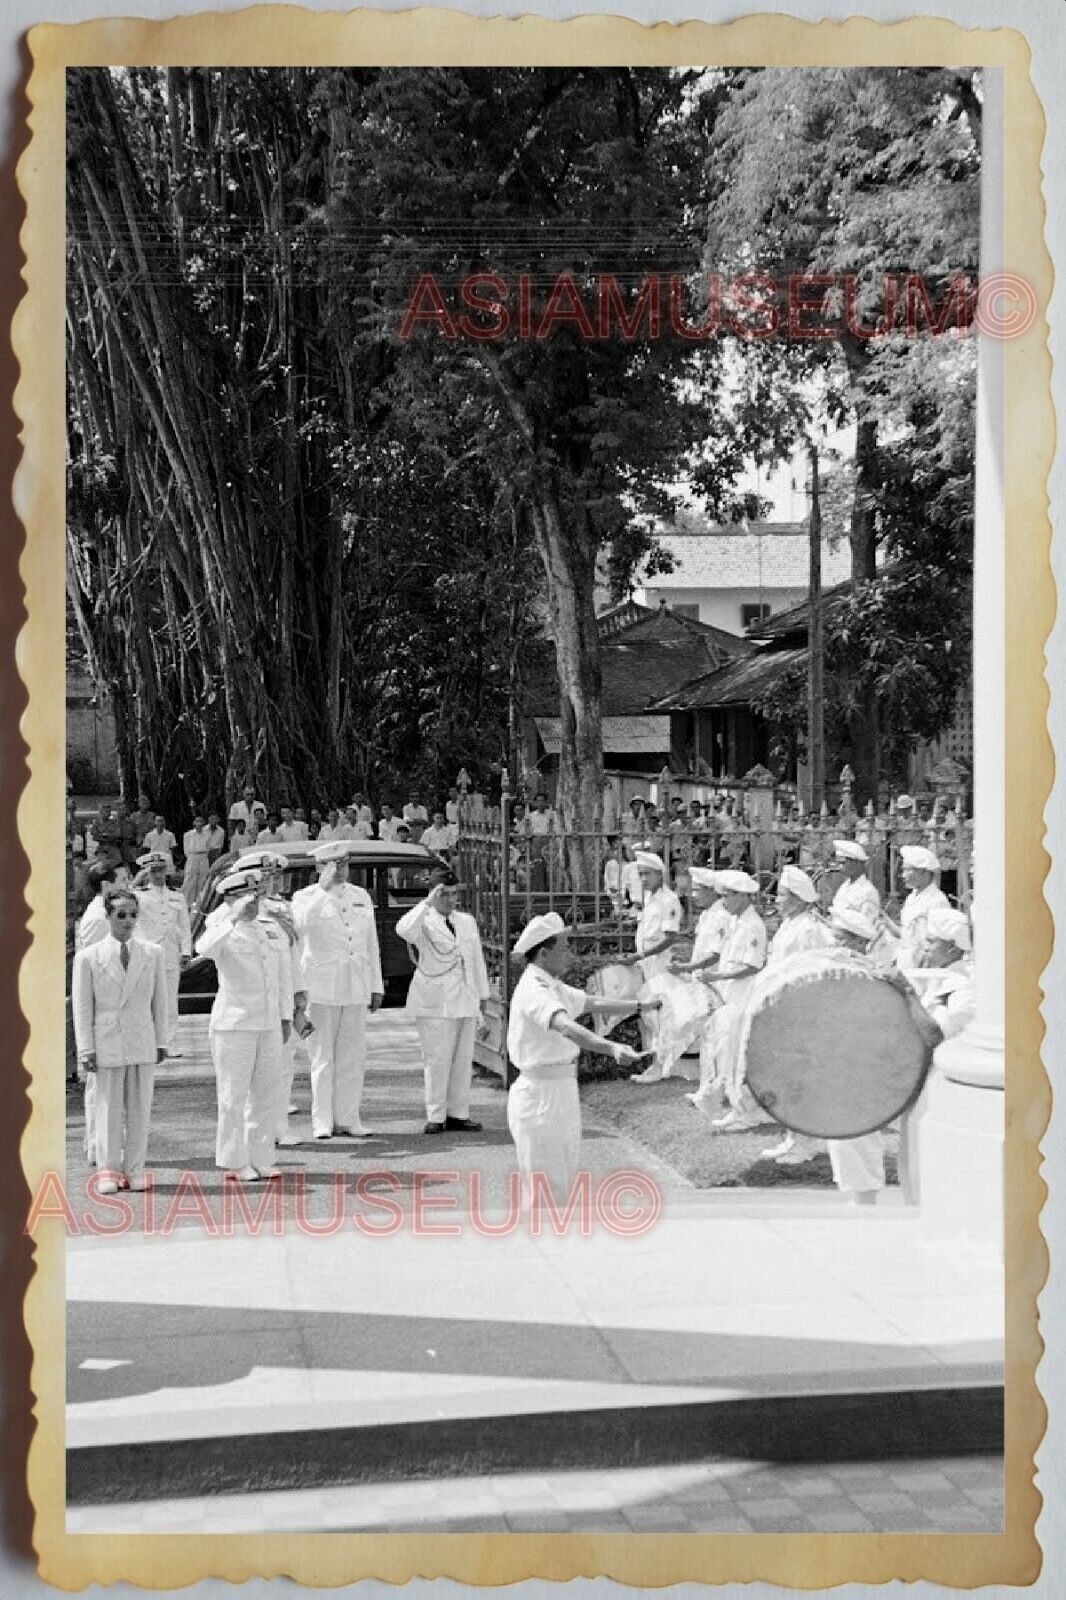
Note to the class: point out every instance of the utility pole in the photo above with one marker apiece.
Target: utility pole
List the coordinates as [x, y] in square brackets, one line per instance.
[815, 648]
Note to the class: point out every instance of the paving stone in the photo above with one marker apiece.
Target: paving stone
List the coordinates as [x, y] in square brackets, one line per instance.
[923, 1482]
[883, 1500]
[992, 1496]
[813, 1488]
[962, 1516]
[771, 1510]
[840, 1522]
[735, 1523]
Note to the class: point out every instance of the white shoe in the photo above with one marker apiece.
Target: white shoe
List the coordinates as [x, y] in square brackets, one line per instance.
[353, 1133]
[288, 1141]
[650, 1074]
[293, 1109]
[139, 1184]
[323, 1136]
[777, 1150]
[242, 1174]
[737, 1122]
[107, 1186]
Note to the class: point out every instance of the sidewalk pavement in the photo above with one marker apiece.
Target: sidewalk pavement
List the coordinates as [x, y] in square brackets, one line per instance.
[775, 1328]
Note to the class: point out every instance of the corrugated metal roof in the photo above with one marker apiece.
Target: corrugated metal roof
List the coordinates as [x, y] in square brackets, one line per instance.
[621, 735]
[775, 555]
[737, 684]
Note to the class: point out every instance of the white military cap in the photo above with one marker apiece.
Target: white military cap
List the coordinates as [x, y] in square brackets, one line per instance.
[264, 860]
[737, 883]
[242, 878]
[153, 858]
[904, 802]
[944, 922]
[538, 930]
[647, 858]
[796, 881]
[853, 922]
[332, 850]
[916, 855]
[704, 878]
[849, 850]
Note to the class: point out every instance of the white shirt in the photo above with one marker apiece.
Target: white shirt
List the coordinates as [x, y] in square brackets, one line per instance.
[329, 831]
[163, 840]
[451, 980]
[438, 838]
[624, 883]
[913, 920]
[531, 1040]
[451, 812]
[858, 894]
[340, 964]
[660, 914]
[744, 945]
[119, 1013]
[216, 839]
[804, 931]
[92, 925]
[387, 828]
[711, 930]
[241, 811]
[951, 1001]
[254, 972]
[163, 919]
[413, 813]
[289, 832]
[196, 841]
[538, 823]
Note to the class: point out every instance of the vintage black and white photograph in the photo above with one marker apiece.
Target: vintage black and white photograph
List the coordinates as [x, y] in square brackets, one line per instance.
[535, 905]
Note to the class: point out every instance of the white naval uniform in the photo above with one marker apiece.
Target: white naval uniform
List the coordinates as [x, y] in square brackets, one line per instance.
[196, 843]
[743, 945]
[913, 922]
[543, 1109]
[254, 998]
[445, 1001]
[660, 914]
[120, 1015]
[161, 841]
[951, 1002]
[858, 894]
[163, 919]
[279, 908]
[340, 968]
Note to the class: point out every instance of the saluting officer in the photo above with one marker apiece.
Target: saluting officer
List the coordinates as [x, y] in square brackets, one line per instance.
[250, 1022]
[340, 970]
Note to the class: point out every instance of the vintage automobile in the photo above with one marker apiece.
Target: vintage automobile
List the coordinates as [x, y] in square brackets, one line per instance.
[396, 877]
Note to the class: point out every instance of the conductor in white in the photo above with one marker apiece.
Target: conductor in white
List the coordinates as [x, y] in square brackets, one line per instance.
[340, 970]
[544, 1042]
[448, 992]
[250, 1020]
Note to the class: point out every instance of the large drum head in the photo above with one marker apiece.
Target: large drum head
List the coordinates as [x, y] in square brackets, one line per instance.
[835, 1055]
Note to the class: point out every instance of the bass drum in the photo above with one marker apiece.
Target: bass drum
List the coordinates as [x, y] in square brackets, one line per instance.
[830, 1049]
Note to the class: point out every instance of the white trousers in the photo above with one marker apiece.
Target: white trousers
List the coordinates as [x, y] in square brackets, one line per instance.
[248, 1076]
[288, 1072]
[338, 1065]
[858, 1164]
[195, 876]
[122, 1110]
[545, 1123]
[90, 1118]
[172, 968]
[447, 1064]
[719, 1044]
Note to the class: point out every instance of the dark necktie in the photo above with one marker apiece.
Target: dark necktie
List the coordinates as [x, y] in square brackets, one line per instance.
[449, 924]
[124, 954]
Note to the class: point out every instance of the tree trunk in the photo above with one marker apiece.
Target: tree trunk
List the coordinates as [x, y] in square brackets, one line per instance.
[864, 725]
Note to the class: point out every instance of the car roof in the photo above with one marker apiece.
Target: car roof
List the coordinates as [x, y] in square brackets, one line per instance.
[363, 851]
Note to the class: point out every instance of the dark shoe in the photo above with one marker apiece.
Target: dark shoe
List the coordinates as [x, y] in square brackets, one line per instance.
[433, 1127]
[462, 1125]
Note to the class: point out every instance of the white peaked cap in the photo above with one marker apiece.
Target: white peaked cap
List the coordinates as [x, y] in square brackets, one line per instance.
[796, 881]
[849, 850]
[265, 860]
[944, 922]
[153, 858]
[737, 883]
[853, 922]
[916, 855]
[332, 850]
[903, 802]
[243, 878]
[647, 858]
[704, 878]
[538, 930]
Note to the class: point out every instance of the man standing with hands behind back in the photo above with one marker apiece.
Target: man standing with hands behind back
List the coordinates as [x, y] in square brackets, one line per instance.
[340, 970]
[447, 995]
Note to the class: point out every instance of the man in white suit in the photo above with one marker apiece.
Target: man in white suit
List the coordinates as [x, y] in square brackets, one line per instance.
[250, 1022]
[340, 970]
[448, 993]
[120, 1026]
[164, 920]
